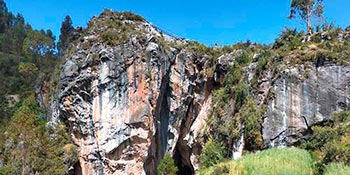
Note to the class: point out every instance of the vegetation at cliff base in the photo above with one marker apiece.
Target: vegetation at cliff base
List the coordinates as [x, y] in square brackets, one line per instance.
[238, 77]
[337, 169]
[287, 161]
[167, 166]
[212, 153]
[330, 141]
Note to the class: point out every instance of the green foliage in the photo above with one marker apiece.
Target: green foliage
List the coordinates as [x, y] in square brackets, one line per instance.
[27, 67]
[212, 153]
[330, 142]
[110, 37]
[289, 39]
[244, 59]
[241, 95]
[279, 161]
[233, 77]
[337, 169]
[306, 9]
[273, 161]
[31, 147]
[198, 48]
[340, 118]
[224, 168]
[38, 43]
[262, 65]
[123, 15]
[251, 118]
[131, 16]
[13, 81]
[66, 31]
[219, 170]
[118, 32]
[167, 166]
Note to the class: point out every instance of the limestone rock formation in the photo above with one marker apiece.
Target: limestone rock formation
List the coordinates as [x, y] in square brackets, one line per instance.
[129, 93]
[126, 105]
[302, 97]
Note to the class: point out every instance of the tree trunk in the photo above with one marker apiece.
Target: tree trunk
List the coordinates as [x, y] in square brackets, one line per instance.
[309, 28]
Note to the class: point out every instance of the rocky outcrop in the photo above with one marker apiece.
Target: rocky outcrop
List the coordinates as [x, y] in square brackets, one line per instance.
[303, 96]
[127, 105]
[12, 99]
[128, 102]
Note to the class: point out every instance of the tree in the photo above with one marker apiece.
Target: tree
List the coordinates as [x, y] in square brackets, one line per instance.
[38, 43]
[306, 10]
[32, 147]
[66, 30]
[3, 16]
[167, 166]
[18, 34]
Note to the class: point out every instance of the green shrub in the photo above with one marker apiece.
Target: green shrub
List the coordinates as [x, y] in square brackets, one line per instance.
[220, 170]
[35, 148]
[122, 15]
[251, 118]
[198, 48]
[110, 37]
[321, 136]
[233, 77]
[330, 142]
[167, 166]
[244, 59]
[212, 153]
[261, 65]
[131, 16]
[241, 95]
[289, 39]
[341, 117]
[228, 167]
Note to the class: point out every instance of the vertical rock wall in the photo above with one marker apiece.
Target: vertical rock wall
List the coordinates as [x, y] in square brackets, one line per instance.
[303, 97]
[127, 105]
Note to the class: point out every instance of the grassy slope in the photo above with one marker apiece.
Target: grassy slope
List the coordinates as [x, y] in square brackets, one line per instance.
[287, 161]
[337, 169]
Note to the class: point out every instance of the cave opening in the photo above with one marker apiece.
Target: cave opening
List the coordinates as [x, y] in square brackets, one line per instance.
[76, 169]
[182, 161]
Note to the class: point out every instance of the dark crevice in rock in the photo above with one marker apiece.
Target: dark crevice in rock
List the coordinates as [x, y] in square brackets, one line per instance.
[77, 169]
[182, 151]
[161, 118]
[117, 152]
[305, 120]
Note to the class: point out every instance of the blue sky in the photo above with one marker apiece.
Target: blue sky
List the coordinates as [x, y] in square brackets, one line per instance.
[222, 21]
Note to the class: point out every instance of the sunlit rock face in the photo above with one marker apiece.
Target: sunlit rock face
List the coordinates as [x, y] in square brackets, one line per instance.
[127, 105]
[302, 97]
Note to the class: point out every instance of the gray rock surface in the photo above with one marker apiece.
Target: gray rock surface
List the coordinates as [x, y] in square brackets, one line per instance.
[303, 97]
[128, 105]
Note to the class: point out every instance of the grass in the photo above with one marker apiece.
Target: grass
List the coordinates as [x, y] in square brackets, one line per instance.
[275, 161]
[279, 161]
[337, 169]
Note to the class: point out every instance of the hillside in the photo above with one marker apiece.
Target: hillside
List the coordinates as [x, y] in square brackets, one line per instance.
[125, 94]
[129, 94]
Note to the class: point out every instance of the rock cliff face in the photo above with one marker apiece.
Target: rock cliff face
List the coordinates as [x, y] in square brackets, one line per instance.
[128, 103]
[302, 97]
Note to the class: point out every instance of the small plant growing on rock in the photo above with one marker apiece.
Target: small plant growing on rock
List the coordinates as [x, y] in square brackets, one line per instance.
[167, 166]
